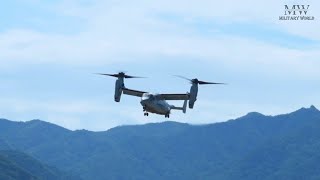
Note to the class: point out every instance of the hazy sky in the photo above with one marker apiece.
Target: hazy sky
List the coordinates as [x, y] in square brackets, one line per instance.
[49, 51]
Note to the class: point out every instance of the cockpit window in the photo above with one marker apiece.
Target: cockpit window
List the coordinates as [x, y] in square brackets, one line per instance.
[145, 96]
[148, 96]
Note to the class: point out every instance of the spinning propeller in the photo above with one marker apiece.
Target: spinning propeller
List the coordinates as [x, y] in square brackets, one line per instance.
[196, 81]
[120, 74]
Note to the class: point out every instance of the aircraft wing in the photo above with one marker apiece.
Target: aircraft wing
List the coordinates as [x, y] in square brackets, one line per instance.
[174, 96]
[132, 92]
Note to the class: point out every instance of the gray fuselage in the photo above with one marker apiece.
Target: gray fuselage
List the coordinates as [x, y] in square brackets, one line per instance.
[151, 103]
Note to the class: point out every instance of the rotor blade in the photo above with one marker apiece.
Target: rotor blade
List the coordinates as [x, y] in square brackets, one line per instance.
[127, 76]
[183, 77]
[203, 82]
[121, 74]
[113, 75]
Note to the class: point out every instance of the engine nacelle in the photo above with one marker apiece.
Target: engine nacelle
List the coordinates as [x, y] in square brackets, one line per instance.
[118, 89]
[193, 95]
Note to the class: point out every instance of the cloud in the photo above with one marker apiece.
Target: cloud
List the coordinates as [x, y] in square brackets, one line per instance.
[25, 48]
[117, 31]
[236, 36]
[72, 114]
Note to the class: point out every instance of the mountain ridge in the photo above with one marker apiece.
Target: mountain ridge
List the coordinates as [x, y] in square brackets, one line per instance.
[172, 150]
[18, 165]
[252, 114]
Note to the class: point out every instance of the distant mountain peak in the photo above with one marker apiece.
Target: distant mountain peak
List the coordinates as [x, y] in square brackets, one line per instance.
[35, 121]
[254, 114]
[40, 122]
[312, 107]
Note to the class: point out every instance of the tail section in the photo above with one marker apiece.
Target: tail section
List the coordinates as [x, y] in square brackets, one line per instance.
[183, 109]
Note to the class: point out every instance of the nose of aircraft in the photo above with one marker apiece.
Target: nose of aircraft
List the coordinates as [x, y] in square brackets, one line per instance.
[143, 102]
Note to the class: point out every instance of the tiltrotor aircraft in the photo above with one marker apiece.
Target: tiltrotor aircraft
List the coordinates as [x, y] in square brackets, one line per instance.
[156, 103]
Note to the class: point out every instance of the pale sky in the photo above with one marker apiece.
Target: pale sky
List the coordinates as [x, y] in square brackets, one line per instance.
[50, 50]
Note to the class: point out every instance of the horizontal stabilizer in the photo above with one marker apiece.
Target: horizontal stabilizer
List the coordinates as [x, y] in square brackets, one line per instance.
[183, 109]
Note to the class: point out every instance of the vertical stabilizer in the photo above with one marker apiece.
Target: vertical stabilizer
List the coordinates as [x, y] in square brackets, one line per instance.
[184, 110]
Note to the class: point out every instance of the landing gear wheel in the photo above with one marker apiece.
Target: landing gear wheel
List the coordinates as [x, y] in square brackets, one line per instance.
[146, 114]
[167, 116]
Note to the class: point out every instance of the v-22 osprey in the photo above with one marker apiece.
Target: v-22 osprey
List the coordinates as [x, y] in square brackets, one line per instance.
[157, 103]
